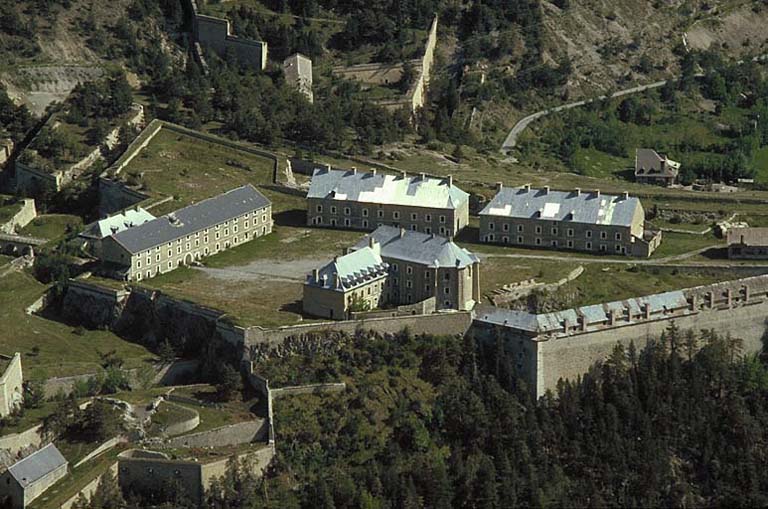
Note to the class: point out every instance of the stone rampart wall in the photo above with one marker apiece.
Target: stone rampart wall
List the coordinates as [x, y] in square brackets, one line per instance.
[11, 385]
[89, 489]
[104, 447]
[185, 426]
[308, 389]
[18, 442]
[234, 434]
[256, 462]
[22, 218]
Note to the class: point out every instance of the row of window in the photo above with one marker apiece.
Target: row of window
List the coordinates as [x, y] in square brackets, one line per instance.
[554, 231]
[225, 225]
[318, 221]
[619, 248]
[380, 214]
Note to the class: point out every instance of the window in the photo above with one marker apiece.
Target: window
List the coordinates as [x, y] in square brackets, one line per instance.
[569, 232]
[333, 222]
[217, 246]
[394, 267]
[442, 230]
[264, 218]
[538, 241]
[333, 209]
[554, 243]
[170, 264]
[618, 248]
[186, 246]
[347, 222]
[554, 230]
[149, 274]
[447, 290]
[447, 276]
[235, 228]
[226, 232]
[178, 249]
[538, 230]
[409, 269]
[205, 239]
[157, 258]
[519, 228]
[426, 275]
[505, 227]
[170, 253]
[603, 235]
[447, 304]
[365, 223]
[319, 208]
[245, 224]
[618, 236]
[428, 217]
[519, 240]
[442, 219]
[427, 230]
[589, 245]
[413, 227]
[149, 260]
[365, 212]
[138, 263]
[409, 284]
[197, 243]
[347, 211]
[218, 235]
[490, 237]
[379, 213]
[505, 239]
[491, 226]
[570, 243]
[603, 248]
[589, 234]
[396, 215]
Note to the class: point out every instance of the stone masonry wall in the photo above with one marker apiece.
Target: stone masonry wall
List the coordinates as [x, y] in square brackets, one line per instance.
[234, 434]
[11, 385]
[22, 218]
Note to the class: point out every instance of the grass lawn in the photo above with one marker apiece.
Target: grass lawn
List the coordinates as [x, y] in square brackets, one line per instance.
[760, 163]
[168, 414]
[52, 226]
[599, 284]
[678, 243]
[9, 210]
[31, 417]
[249, 291]
[61, 351]
[225, 413]
[497, 272]
[191, 170]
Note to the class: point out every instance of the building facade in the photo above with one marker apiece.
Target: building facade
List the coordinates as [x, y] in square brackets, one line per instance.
[748, 243]
[356, 281]
[366, 200]
[652, 168]
[394, 267]
[298, 74]
[187, 235]
[28, 478]
[574, 220]
[11, 384]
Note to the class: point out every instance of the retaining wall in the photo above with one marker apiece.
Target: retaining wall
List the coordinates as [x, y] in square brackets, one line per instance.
[89, 489]
[234, 434]
[308, 389]
[22, 218]
[185, 426]
[18, 442]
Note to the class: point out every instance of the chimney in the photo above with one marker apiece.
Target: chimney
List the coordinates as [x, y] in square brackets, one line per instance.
[611, 317]
[625, 195]
[742, 240]
[354, 170]
[499, 186]
[450, 180]
[403, 174]
[423, 175]
[647, 311]
[597, 193]
[565, 326]
[546, 189]
[335, 280]
[371, 241]
[315, 275]
[578, 191]
[328, 167]
[402, 232]
[373, 171]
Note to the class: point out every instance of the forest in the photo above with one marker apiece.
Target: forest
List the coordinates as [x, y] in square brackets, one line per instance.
[442, 422]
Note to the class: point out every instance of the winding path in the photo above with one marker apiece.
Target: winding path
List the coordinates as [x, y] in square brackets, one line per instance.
[511, 141]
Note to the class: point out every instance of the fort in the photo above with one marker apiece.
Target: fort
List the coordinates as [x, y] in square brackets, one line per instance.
[216, 33]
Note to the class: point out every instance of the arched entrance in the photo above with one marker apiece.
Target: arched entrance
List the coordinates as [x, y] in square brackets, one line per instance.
[188, 259]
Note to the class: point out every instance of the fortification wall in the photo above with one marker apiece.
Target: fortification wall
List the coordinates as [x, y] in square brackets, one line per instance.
[308, 389]
[15, 443]
[11, 385]
[234, 434]
[262, 341]
[255, 462]
[89, 489]
[149, 475]
[738, 308]
[22, 218]
[185, 426]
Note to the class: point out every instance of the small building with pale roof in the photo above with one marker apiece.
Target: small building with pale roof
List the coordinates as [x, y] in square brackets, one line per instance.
[298, 74]
[654, 168]
[748, 243]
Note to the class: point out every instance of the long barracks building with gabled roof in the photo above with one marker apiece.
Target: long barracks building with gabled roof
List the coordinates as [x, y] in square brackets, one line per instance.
[366, 200]
[567, 220]
[187, 235]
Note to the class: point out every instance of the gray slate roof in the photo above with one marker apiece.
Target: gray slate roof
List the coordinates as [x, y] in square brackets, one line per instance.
[117, 223]
[37, 465]
[193, 218]
[570, 206]
[353, 269]
[364, 187]
[423, 248]
[597, 313]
